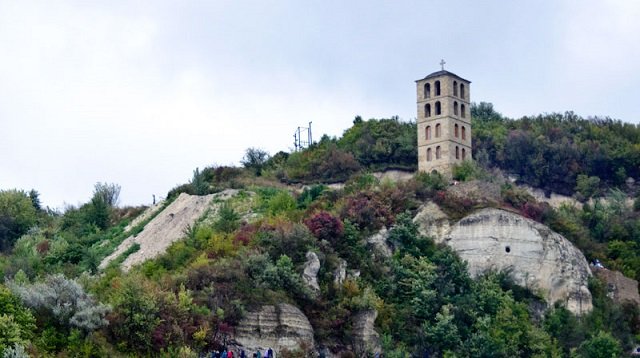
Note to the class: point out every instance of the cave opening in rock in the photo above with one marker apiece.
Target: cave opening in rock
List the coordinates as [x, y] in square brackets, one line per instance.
[507, 249]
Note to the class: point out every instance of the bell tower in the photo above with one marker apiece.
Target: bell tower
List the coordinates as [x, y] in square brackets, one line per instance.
[444, 121]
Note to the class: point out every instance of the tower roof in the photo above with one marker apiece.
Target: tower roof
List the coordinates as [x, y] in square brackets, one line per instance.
[442, 73]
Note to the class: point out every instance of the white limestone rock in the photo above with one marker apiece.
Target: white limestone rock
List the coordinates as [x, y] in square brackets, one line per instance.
[274, 326]
[365, 337]
[340, 274]
[432, 221]
[310, 273]
[379, 243]
[538, 258]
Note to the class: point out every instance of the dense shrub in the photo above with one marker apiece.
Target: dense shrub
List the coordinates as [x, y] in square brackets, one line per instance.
[367, 210]
[286, 238]
[382, 143]
[322, 162]
[62, 302]
[325, 226]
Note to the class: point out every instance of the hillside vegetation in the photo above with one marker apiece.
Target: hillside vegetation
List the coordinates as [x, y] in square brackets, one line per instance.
[55, 300]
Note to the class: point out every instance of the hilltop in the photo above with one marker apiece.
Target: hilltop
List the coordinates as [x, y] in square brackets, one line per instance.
[311, 252]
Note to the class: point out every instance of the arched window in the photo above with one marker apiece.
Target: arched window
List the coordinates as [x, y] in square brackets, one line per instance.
[455, 130]
[464, 154]
[438, 108]
[438, 130]
[438, 152]
[462, 111]
[455, 108]
[427, 110]
[462, 90]
[427, 90]
[455, 88]
[437, 88]
[428, 154]
[427, 132]
[464, 133]
[457, 152]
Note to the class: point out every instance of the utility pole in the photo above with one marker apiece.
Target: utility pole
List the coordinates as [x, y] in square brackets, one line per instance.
[298, 142]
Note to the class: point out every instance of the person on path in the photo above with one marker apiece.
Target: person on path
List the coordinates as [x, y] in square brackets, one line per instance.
[242, 355]
[270, 353]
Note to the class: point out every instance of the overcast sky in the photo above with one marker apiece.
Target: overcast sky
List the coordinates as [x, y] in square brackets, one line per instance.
[140, 93]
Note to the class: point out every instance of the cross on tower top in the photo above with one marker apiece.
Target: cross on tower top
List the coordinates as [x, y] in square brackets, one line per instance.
[442, 64]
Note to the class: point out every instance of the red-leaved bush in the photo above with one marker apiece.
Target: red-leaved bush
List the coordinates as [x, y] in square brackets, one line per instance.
[245, 234]
[325, 226]
[367, 210]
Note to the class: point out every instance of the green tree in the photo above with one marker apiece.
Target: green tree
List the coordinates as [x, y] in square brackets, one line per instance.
[109, 193]
[17, 215]
[602, 345]
[136, 316]
[443, 335]
[255, 159]
[228, 220]
[587, 186]
[17, 323]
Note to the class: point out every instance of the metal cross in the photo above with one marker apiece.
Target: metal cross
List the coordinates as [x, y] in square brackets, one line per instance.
[442, 64]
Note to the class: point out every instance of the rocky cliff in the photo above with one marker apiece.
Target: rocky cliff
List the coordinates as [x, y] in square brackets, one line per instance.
[536, 257]
[620, 288]
[274, 326]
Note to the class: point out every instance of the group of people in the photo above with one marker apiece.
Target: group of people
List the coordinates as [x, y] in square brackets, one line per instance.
[269, 353]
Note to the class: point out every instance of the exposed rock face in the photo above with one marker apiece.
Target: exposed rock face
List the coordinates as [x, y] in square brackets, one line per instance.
[432, 222]
[340, 274]
[554, 200]
[166, 228]
[537, 257]
[310, 273]
[379, 243]
[619, 287]
[278, 327]
[365, 338]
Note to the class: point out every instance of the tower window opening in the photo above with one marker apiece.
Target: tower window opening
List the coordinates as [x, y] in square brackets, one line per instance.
[457, 152]
[427, 133]
[462, 114]
[464, 154]
[464, 133]
[455, 88]
[438, 108]
[438, 152]
[455, 130]
[438, 130]
[428, 154]
[455, 108]
[437, 88]
[427, 110]
[462, 90]
[427, 90]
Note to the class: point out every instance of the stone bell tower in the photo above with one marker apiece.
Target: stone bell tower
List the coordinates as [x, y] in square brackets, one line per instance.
[444, 121]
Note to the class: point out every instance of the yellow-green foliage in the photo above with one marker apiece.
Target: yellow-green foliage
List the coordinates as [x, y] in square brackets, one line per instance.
[221, 245]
